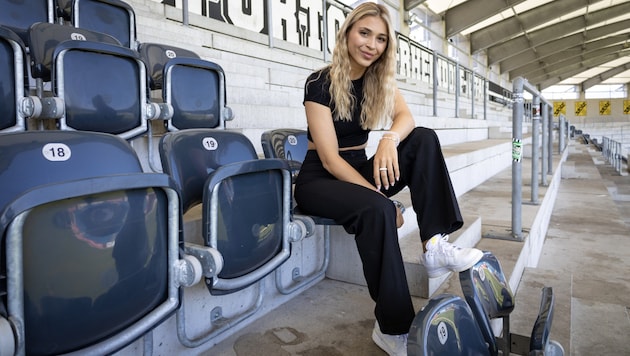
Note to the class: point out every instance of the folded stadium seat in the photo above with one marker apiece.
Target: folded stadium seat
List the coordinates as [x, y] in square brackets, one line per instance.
[155, 56]
[102, 85]
[291, 145]
[18, 16]
[192, 87]
[445, 326]
[246, 212]
[13, 86]
[113, 17]
[90, 257]
[489, 295]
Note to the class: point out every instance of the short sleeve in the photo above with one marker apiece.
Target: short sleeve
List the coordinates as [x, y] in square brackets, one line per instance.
[316, 88]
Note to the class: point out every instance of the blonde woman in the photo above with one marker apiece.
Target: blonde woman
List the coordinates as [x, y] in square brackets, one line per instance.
[357, 93]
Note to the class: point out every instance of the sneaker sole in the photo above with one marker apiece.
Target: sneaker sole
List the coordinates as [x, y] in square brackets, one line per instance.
[380, 343]
[461, 268]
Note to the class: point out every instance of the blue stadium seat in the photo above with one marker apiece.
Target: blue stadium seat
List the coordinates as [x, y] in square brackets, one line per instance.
[113, 17]
[13, 84]
[289, 144]
[155, 56]
[19, 15]
[90, 257]
[489, 295]
[446, 326]
[197, 92]
[103, 86]
[245, 203]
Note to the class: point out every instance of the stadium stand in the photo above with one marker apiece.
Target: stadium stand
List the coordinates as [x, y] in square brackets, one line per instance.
[246, 210]
[91, 261]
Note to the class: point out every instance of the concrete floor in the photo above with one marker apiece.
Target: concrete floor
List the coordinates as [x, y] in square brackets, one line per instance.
[586, 258]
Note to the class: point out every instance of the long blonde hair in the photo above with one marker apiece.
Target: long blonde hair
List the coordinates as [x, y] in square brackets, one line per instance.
[379, 85]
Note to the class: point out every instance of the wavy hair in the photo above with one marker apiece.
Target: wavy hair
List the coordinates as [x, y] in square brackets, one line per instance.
[379, 83]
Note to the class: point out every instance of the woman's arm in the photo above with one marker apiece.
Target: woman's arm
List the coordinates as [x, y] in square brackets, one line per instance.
[320, 123]
[386, 155]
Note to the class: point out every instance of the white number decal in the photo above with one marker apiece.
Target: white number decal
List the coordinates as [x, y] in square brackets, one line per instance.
[210, 144]
[442, 332]
[292, 140]
[56, 152]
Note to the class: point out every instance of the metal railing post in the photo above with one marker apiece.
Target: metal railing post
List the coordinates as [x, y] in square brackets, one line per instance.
[550, 141]
[561, 133]
[517, 155]
[545, 141]
[457, 89]
[536, 147]
[435, 84]
[185, 15]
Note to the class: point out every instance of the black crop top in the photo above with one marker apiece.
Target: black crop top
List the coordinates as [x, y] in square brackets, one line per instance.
[349, 133]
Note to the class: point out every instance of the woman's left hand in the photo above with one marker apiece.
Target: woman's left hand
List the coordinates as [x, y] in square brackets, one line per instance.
[386, 170]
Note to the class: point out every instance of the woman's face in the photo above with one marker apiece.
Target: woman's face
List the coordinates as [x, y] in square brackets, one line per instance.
[367, 40]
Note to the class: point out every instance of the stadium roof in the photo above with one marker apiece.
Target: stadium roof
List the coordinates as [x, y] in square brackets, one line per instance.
[575, 42]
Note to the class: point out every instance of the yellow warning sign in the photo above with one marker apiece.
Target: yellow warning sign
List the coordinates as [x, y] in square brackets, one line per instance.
[580, 108]
[559, 108]
[626, 107]
[604, 107]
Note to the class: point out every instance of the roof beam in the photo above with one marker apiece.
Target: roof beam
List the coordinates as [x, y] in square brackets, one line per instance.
[410, 4]
[472, 12]
[503, 30]
[572, 59]
[591, 82]
[514, 46]
[558, 50]
[550, 80]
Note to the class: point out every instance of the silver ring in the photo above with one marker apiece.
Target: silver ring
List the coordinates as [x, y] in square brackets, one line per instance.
[382, 169]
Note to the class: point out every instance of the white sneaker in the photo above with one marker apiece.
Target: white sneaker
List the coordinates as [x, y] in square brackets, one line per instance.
[393, 345]
[442, 257]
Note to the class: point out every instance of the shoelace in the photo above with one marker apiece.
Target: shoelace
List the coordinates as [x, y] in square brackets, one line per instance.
[445, 246]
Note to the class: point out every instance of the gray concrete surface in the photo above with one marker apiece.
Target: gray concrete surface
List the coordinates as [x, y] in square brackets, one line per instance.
[585, 258]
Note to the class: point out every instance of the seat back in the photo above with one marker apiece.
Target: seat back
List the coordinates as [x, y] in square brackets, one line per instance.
[12, 81]
[488, 293]
[289, 144]
[89, 242]
[191, 155]
[38, 161]
[246, 201]
[113, 17]
[19, 15]
[196, 90]
[103, 85]
[156, 55]
[445, 326]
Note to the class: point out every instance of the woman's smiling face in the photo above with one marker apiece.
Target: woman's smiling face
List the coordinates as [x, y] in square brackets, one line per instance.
[367, 40]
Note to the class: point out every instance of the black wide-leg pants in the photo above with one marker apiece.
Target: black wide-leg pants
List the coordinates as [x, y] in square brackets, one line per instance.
[371, 217]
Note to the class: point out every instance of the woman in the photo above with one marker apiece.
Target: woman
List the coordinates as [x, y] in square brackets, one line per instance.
[356, 93]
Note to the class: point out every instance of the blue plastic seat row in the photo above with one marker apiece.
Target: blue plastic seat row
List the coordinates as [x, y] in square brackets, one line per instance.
[451, 325]
[92, 239]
